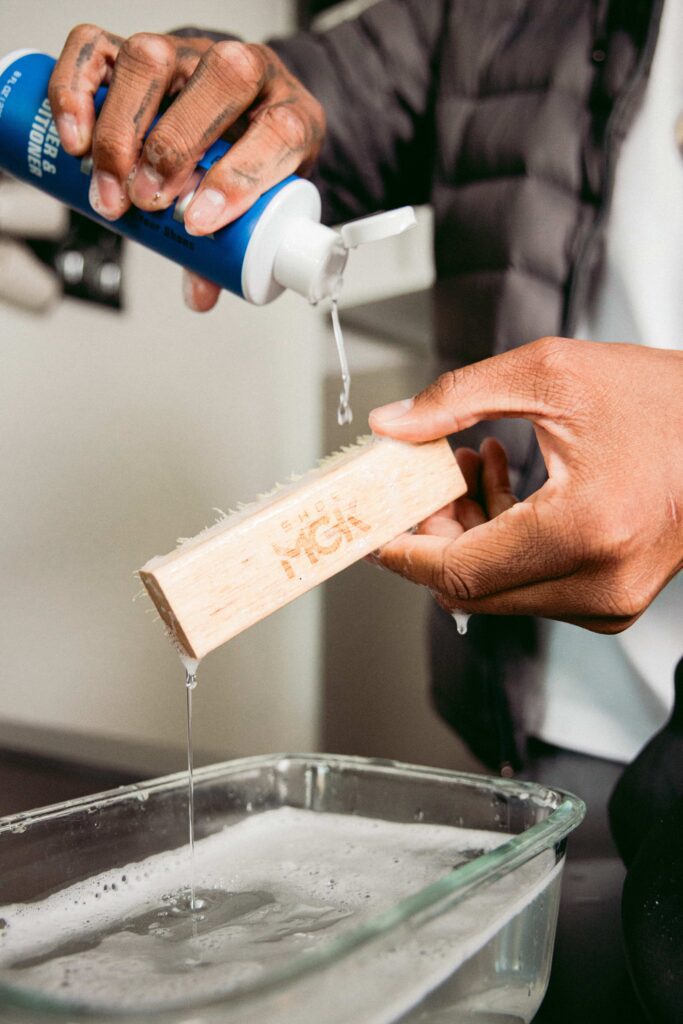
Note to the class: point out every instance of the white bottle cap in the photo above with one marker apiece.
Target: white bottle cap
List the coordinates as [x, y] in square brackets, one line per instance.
[290, 248]
[298, 201]
[12, 56]
[310, 259]
[380, 225]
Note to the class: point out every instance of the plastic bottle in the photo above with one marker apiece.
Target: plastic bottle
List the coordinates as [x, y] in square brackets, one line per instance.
[278, 243]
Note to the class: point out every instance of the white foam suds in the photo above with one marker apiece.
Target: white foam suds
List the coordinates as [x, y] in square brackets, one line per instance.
[269, 887]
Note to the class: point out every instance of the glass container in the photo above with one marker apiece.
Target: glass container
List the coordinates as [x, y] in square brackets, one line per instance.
[473, 945]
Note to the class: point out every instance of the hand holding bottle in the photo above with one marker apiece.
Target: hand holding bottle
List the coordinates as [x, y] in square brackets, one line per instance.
[217, 86]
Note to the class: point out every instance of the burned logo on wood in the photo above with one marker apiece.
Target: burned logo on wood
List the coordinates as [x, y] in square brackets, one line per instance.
[316, 534]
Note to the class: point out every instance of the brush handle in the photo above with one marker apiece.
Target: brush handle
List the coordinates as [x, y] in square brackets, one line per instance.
[253, 562]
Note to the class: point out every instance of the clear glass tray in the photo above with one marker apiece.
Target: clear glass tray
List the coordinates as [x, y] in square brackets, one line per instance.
[471, 944]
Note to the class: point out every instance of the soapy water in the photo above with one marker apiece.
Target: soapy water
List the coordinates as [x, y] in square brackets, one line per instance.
[274, 885]
[344, 411]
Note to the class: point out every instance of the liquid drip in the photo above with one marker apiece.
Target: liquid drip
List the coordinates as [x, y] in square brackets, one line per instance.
[461, 619]
[190, 684]
[344, 412]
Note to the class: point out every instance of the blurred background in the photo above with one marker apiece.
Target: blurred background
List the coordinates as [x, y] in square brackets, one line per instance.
[125, 420]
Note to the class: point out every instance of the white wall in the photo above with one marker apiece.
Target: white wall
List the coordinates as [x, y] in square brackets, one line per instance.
[119, 433]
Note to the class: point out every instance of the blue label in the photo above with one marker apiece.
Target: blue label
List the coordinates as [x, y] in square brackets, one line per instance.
[30, 150]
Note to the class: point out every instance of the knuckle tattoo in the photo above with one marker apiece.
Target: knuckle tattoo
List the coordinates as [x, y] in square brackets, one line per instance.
[287, 123]
[167, 149]
[111, 150]
[143, 106]
[240, 179]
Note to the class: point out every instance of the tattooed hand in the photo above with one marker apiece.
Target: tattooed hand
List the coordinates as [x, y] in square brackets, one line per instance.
[218, 86]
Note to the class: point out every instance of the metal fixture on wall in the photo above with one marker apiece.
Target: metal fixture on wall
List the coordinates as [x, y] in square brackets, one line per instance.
[47, 251]
[87, 261]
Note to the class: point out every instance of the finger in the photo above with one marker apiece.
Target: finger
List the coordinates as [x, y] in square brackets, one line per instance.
[84, 65]
[228, 78]
[465, 512]
[529, 542]
[441, 525]
[144, 70]
[533, 381]
[469, 462]
[468, 508]
[570, 599]
[469, 513]
[271, 149]
[199, 294]
[495, 478]
[284, 135]
[188, 53]
[446, 512]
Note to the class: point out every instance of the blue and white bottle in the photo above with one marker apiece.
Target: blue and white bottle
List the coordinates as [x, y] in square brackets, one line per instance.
[278, 243]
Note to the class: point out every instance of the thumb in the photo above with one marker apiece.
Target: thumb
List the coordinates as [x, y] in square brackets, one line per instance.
[519, 383]
[527, 543]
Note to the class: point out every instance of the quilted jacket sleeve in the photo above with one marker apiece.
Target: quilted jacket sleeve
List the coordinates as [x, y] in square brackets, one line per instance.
[375, 76]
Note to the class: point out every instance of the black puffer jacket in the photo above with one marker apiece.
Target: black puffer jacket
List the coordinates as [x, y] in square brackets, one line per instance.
[506, 116]
[499, 114]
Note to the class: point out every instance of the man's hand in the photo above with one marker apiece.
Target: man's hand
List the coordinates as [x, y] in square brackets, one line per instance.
[218, 86]
[604, 534]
